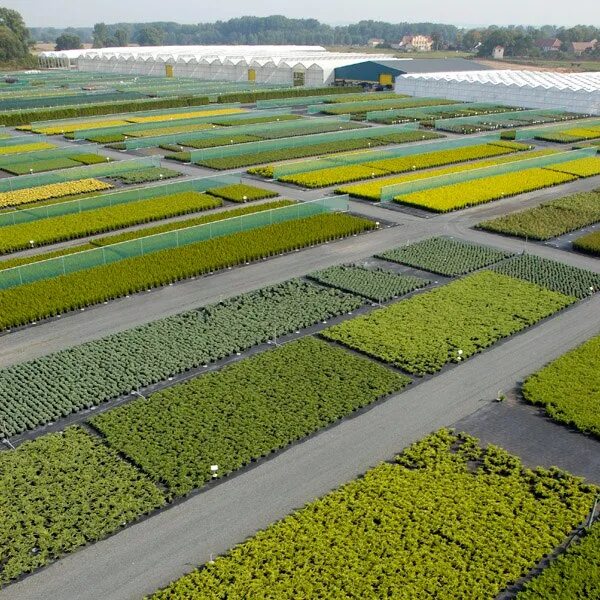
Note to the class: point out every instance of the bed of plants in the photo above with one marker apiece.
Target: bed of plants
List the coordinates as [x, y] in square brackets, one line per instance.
[25, 260]
[372, 190]
[445, 256]
[66, 128]
[569, 388]
[253, 96]
[589, 243]
[211, 143]
[574, 574]
[67, 227]
[387, 166]
[447, 519]
[30, 147]
[241, 192]
[49, 297]
[486, 189]
[39, 166]
[385, 104]
[244, 411]
[91, 159]
[42, 390]
[379, 285]
[253, 120]
[52, 191]
[257, 158]
[192, 114]
[60, 492]
[450, 323]
[581, 167]
[571, 135]
[551, 274]
[166, 130]
[549, 219]
[145, 175]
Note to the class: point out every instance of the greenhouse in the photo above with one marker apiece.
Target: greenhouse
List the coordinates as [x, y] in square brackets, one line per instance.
[575, 92]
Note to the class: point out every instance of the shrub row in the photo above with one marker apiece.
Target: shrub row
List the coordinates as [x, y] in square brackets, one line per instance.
[589, 243]
[297, 92]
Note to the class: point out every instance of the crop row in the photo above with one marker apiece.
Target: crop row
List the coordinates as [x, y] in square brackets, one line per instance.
[29, 147]
[371, 190]
[145, 175]
[569, 388]
[192, 114]
[486, 189]
[52, 191]
[241, 192]
[376, 284]
[243, 411]
[445, 256]
[551, 274]
[589, 243]
[387, 166]
[49, 297]
[449, 324]
[295, 92]
[549, 219]
[581, 167]
[566, 136]
[43, 390]
[52, 164]
[385, 104]
[428, 525]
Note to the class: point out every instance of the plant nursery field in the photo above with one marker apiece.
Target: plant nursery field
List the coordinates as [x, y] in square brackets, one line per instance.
[549, 219]
[447, 519]
[589, 243]
[569, 388]
[450, 323]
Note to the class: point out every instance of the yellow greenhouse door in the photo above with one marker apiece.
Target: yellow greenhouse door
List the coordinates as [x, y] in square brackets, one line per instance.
[252, 75]
[385, 79]
[168, 70]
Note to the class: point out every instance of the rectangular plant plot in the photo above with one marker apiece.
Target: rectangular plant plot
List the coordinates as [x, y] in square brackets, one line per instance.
[39, 166]
[43, 390]
[244, 411]
[581, 167]
[569, 388]
[574, 574]
[551, 274]
[445, 256]
[60, 492]
[589, 243]
[375, 284]
[241, 193]
[549, 219]
[448, 324]
[145, 175]
[333, 176]
[446, 520]
[486, 189]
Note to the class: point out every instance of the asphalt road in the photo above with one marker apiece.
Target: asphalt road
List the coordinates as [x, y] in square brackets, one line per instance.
[147, 556]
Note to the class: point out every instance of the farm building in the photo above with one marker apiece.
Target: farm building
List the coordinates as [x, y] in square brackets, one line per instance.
[578, 92]
[311, 66]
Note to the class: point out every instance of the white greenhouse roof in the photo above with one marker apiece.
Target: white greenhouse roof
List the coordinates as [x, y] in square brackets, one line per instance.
[587, 82]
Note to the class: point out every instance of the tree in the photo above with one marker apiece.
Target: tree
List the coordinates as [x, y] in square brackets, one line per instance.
[121, 37]
[14, 36]
[68, 41]
[100, 35]
[149, 35]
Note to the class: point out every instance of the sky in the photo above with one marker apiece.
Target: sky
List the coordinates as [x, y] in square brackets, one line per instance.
[82, 13]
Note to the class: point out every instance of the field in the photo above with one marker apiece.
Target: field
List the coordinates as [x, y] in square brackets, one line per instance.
[49, 297]
[83, 376]
[549, 219]
[241, 193]
[62, 491]
[589, 243]
[444, 511]
[448, 324]
[569, 388]
[375, 284]
[581, 167]
[486, 189]
[243, 412]
[445, 256]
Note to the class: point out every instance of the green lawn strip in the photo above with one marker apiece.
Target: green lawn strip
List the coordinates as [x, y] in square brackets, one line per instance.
[49, 297]
[378, 285]
[145, 175]
[241, 193]
[62, 491]
[90, 222]
[97, 371]
[588, 243]
[573, 575]
[450, 323]
[551, 274]
[549, 219]
[445, 256]
[569, 388]
[446, 520]
[244, 411]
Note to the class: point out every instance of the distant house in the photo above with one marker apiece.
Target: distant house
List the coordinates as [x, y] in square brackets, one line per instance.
[498, 52]
[418, 43]
[374, 42]
[578, 48]
[549, 44]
